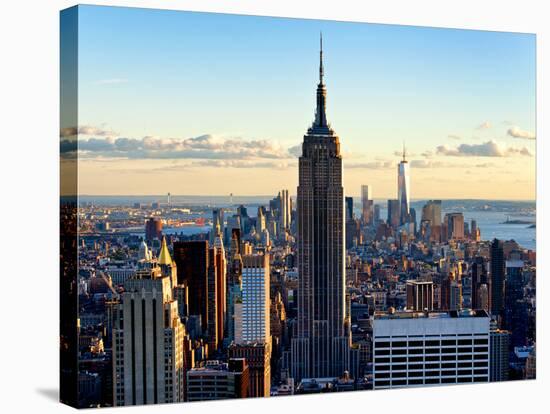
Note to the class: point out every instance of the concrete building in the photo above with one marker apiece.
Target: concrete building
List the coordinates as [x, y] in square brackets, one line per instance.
[148, 349]
[430, 348]
[217, 381]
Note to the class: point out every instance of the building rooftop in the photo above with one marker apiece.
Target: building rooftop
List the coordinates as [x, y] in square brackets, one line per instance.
[466, 313]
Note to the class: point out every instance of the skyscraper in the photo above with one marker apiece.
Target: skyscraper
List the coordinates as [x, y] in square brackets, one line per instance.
[403, 189]
[432, 212]
[367, 204]
[285, 210]
[393, 213]
[252, 324]
[221, 286]
[515, 312]
[349, 208]
[217, 224]
[454, 225]
[191, 259]
[497, 278]
[479, 282]
[153, 228]
[148, 355]
[321, 345]
[213, 297]
[431, 221]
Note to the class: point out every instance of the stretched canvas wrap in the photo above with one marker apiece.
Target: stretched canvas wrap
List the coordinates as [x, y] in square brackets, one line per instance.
[262, 207]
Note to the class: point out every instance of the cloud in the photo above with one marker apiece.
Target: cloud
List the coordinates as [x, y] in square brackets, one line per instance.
[451, 136]
[484, 125]
[487, 149]
[296, 150]
[429, 164]
[87, 130]
[98, 132]
[485, 165]
[374, 165]
[243, 164]
[201, 147]
[517, 132]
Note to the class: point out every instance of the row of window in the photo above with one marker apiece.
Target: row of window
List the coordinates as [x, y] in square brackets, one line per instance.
[432, 342]
[429, 381]
[433, 373]
[420, 351]
[413, 367]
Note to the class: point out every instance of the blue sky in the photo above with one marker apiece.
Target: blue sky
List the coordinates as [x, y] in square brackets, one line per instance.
[179, 75]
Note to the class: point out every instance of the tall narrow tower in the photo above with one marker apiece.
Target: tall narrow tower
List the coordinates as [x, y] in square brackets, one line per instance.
[320, 347]
[403, 188]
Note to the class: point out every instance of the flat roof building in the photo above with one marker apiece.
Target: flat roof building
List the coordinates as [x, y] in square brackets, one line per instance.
[430, 348]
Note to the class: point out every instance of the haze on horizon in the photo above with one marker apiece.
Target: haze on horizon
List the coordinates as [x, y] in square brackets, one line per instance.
[211, 104]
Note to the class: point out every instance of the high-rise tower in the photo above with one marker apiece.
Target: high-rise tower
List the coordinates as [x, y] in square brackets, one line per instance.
[320, 347]
[403, 188]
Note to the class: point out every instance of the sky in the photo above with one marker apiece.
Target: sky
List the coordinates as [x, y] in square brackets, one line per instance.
[212, 104]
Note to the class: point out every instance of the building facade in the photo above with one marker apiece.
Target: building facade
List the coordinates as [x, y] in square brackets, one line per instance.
[148, 349]
[420, 295]
[430, 348]
[320, 347]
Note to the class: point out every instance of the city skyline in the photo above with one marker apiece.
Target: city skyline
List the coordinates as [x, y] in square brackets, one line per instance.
[244, 298]
[464, 108]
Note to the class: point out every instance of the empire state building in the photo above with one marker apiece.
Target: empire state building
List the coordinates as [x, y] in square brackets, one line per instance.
[321, 344]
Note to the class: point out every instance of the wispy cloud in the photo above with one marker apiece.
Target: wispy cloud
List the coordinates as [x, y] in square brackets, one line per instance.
[517, 132]
[487, 149]
[244, 164]
[451, 136]
[374, 165]
[484, 125]
[430, 164]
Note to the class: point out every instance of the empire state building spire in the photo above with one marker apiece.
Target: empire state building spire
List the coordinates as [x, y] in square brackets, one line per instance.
[321, 71]
[320, 125]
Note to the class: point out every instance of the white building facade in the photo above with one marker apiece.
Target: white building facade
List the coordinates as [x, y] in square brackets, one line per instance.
[430, 348]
